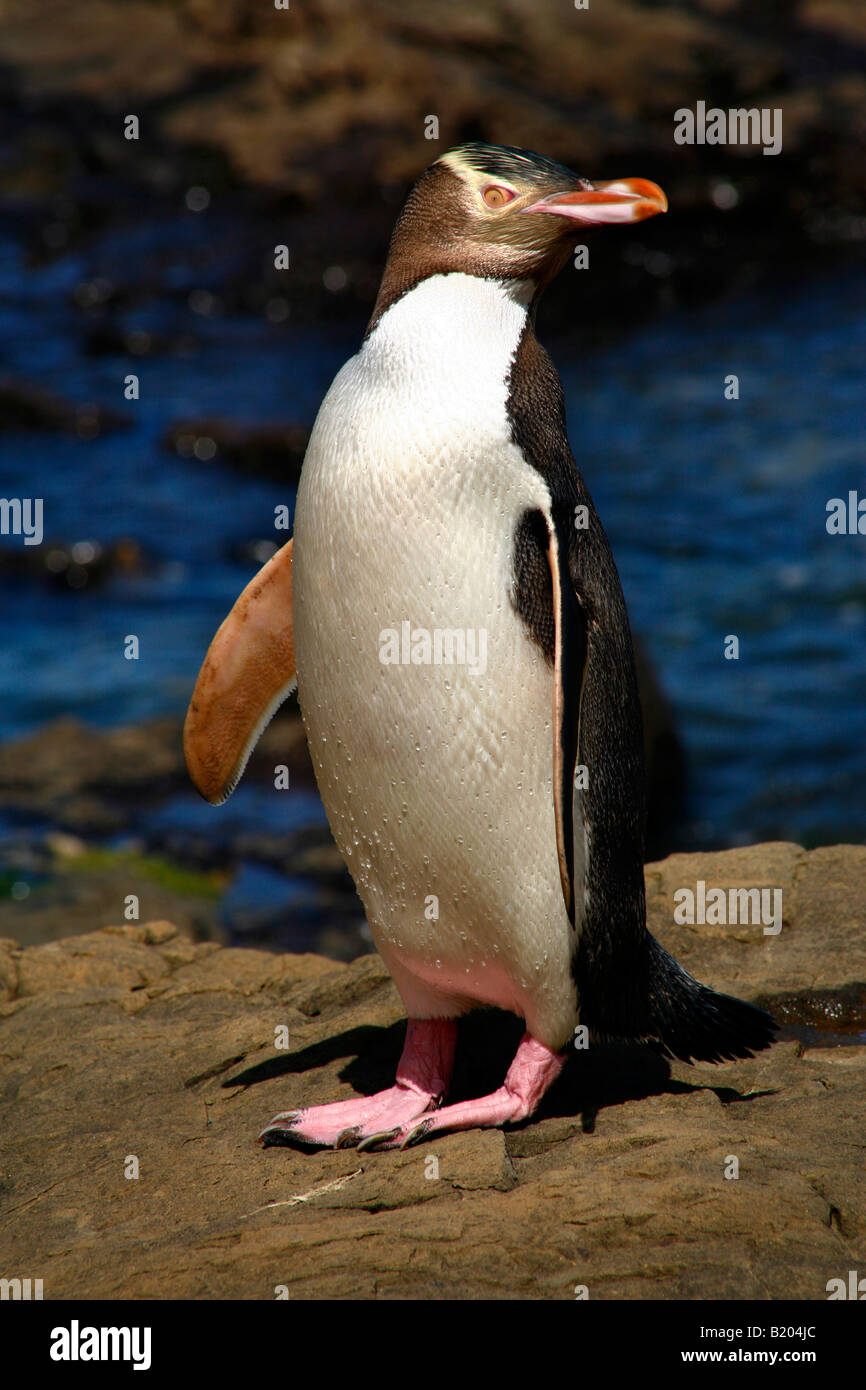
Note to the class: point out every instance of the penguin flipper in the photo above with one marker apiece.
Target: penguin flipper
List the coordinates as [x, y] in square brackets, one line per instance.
[248, 672]
[569, 665]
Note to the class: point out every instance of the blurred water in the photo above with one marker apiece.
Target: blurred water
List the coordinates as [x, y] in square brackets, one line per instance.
[715, 509]
[717, 514]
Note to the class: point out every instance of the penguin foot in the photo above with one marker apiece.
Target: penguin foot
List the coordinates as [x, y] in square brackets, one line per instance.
[347, 1123]
[423, 1077]
[531, 1074]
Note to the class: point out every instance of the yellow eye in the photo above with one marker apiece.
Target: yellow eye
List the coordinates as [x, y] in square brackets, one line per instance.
[496, 197]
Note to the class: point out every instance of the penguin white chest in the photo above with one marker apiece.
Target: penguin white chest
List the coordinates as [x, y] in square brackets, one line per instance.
[428, 709]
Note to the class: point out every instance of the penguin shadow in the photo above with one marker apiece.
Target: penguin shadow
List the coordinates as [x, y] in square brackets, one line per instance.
[592, 1080]
[372, 1053]
[610, 1074]
[604, 1075]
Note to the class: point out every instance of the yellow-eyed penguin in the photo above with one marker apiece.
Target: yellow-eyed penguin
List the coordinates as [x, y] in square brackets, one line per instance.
[464, 666]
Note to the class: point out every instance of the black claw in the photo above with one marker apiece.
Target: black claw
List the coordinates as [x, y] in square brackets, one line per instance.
[417, 1134]
[277, 1137]
[377, 1141]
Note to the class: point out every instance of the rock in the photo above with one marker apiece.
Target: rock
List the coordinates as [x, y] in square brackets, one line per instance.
[135, 1041]
[106, 337]
[271, 451]
[93, 889]
[26, 407]
[823, 938]
[89, 779]
[83, 564]
[69, 756]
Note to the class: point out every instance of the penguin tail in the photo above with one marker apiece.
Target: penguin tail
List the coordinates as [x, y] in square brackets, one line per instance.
[696, 1024]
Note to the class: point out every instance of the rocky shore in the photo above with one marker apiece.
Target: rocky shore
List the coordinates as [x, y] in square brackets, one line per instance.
[135, 1048]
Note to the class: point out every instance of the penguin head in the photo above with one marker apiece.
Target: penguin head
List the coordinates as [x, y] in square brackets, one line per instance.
[506, 213]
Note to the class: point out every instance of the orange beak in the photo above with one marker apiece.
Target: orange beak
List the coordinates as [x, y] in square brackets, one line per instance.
[621, 200]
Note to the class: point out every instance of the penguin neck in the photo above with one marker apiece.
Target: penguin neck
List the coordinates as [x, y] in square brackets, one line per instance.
[451, 322]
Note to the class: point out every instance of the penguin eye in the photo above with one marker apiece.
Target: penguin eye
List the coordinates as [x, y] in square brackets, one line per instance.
[495, 196]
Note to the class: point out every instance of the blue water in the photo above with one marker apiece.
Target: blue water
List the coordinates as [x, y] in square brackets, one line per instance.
[715, 509]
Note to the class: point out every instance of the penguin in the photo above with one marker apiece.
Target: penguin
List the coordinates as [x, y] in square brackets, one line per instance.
[450, 608]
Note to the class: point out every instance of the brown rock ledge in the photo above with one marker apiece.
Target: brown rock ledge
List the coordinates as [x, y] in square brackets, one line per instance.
[137, 1041]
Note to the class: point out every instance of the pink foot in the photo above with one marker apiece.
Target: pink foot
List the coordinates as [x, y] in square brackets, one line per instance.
[533, 1071]
[423, 1078]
